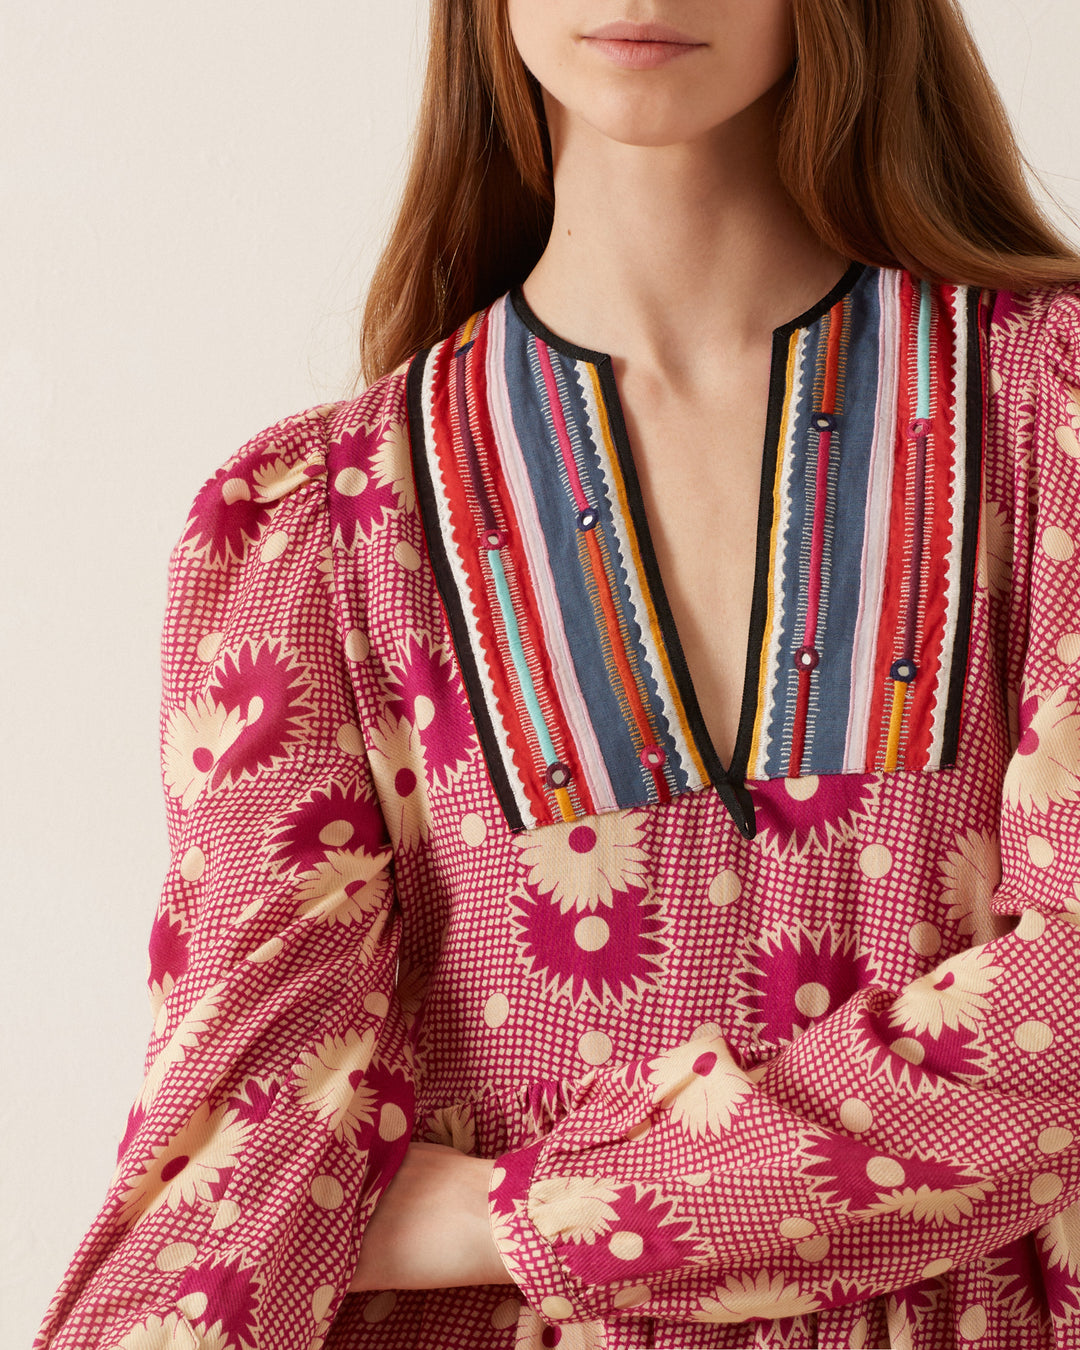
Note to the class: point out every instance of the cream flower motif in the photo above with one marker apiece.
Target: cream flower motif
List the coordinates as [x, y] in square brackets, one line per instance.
[928, 1205]
[332, 1083]
[392, 464]
[158, 1333]
[196, 736]
[1060, 1240]
[397, 766]
[183, 1171]
[701, 1085]
[344, 887]
[186, 1036]
[953, 995]
[995, 558]
[454, 1126]
[157, 994]
[278, 478]
[573, 1209]
[970, 873]
[1046, 766]
[325, 567]
[901, 1333]
[580, 863]
[502, 1230]
[761, 1295]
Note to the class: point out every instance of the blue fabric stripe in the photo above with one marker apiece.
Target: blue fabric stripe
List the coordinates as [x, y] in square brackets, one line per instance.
[851, 449]
[600, 491]
[558, 520]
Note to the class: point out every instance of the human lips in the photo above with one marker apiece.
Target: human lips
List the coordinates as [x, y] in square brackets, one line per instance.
[622, 30]
[640, 46]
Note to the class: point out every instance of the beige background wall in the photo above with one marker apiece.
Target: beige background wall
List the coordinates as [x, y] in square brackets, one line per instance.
[194, 197]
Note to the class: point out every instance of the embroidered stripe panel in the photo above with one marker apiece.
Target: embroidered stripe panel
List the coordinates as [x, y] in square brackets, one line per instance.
[866, 555]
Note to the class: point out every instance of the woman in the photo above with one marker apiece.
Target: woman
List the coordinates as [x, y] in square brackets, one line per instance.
[699, 954]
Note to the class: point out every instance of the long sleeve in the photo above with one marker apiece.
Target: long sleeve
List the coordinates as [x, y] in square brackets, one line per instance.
[278, 1097]
[908, 1131]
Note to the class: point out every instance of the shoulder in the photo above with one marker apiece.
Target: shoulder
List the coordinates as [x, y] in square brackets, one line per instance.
[316, 438]
[1060, 346]
[1036, 334]
[319, 453]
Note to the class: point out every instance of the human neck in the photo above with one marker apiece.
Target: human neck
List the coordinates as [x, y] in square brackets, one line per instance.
[673, 257]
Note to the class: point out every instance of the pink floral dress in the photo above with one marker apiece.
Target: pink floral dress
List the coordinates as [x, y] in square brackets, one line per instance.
[778, 1053]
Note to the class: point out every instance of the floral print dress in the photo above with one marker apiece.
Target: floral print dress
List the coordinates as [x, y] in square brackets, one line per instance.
[778, 1053]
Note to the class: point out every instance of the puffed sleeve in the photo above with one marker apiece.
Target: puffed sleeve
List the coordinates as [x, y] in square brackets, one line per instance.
[278, 1097]
[685, 1152]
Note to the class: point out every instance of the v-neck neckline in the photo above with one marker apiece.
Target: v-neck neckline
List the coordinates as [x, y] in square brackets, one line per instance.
[728, 780]
[864, 573]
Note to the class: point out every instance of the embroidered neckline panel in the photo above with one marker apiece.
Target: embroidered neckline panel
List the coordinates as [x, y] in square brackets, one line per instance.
[866, 541]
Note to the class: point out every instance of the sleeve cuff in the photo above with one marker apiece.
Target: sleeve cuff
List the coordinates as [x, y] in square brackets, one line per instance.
[526, 1253]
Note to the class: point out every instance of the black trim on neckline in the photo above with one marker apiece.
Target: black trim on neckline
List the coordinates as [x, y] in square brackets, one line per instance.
[539, 328]
[669, 633]
[728, 782]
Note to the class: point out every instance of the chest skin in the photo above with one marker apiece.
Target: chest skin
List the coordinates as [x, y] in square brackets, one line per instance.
[698, 458]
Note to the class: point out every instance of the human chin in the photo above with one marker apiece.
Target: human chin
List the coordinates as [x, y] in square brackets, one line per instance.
[654, 121]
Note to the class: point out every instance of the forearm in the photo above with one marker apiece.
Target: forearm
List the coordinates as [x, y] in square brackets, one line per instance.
[430, 1229]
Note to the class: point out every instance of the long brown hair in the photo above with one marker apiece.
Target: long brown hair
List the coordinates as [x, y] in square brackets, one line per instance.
[893, 141]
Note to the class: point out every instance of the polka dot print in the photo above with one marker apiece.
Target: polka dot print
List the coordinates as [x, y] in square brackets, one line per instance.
[972, 1323]
[473, 829]
[885, 1172]
[595, 1047]
[1055, 1139]
[321, 1300]
[357, 647]
[1040, 851]
[725, 888]
[176, 1256]
[208, 646]
[407, 557]
[327, 1192]
[193, 863]
[1046, 1188]
[496, 1010]
[875, 861]
[1068, 648]
[379, 1308]
[350, 482]
[856, 1116]
[1034, 1036]
[1058, 544]
[273, 546]
[350, 740]
[745, 1090]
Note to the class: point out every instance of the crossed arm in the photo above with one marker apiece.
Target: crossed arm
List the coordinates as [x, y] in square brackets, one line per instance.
[430, 1229]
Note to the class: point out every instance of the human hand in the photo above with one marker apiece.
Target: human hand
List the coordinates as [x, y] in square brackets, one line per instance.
[430, 1229]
